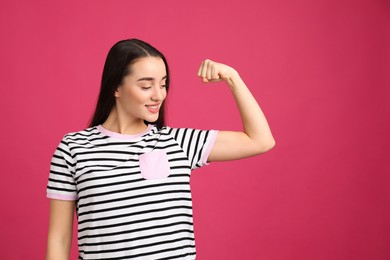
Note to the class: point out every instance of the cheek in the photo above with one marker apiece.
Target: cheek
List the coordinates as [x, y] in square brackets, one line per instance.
[165, 93]
[135, 96]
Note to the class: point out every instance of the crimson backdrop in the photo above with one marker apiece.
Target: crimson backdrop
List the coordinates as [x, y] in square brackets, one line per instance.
[320, 70]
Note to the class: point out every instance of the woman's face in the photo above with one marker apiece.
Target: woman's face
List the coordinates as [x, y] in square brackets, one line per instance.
[142, 92]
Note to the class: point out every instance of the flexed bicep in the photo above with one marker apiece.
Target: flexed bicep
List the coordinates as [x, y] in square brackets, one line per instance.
[256, 137]
[232, 145]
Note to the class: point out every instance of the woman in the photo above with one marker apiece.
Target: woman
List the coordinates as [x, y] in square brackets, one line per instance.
[127, 175]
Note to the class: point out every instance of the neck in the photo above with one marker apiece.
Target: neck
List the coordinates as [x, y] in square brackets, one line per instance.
[123, 124]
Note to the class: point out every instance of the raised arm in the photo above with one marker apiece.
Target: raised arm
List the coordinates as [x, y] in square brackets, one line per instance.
[60, 229]
[256, 137]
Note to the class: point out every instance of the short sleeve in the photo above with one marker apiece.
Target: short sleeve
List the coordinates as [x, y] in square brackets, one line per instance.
[61, 184]
[196, 144]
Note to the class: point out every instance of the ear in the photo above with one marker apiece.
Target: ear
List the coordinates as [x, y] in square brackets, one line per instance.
[117, 92]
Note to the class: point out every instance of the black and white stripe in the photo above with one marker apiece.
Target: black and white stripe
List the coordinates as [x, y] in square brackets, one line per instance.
[122, 215]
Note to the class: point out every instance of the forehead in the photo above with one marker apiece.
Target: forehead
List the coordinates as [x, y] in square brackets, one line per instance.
[148, 67]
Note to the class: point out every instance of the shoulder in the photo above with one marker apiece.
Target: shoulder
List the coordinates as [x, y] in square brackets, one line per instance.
[81, 136]
[168, 132]
[165, 130]
[83, 132]
[186, 133]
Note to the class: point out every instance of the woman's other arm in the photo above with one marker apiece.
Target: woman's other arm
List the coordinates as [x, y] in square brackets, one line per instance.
[60, 229]
[256, 137]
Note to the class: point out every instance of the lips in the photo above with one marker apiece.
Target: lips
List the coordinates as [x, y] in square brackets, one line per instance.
[154, 108]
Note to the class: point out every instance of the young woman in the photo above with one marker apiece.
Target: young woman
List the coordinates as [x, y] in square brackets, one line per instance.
[127, 175]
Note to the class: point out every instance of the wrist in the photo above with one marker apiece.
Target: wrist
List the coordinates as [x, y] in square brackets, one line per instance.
[233, 79]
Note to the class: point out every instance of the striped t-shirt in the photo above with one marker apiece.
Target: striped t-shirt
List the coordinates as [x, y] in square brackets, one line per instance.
[132, 191]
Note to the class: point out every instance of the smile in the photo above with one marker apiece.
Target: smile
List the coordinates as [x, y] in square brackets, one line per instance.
[153, 108]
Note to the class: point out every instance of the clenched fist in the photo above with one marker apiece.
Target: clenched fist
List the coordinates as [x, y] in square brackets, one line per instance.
[211, 71]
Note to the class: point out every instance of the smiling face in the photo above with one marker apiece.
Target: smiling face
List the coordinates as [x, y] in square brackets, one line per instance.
[141, 93]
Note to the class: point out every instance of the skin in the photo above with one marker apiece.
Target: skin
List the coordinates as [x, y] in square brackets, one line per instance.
[145, 86]
[60, 229]
[256, 137]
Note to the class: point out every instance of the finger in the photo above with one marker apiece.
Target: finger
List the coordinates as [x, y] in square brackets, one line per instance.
[200, 69]
[203, 73]
[214, 73]
[210, 66]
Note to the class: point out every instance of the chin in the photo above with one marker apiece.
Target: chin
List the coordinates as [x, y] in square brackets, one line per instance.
[151, 119]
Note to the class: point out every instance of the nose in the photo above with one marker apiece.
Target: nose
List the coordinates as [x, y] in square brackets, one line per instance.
[158, 94]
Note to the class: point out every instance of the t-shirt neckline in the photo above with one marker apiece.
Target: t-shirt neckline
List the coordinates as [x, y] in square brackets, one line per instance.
[116, 135]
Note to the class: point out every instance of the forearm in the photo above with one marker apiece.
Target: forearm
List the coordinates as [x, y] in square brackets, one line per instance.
[254, 122]
[256, 137]
[60, 230]
[57, 250]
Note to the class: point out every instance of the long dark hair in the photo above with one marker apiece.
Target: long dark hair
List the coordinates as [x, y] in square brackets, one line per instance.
[118, 65]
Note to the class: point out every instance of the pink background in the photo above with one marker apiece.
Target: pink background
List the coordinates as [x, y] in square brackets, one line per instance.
[319, 69]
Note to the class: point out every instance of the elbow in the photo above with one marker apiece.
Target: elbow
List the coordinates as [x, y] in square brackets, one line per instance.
[273, 143]
[265, 146]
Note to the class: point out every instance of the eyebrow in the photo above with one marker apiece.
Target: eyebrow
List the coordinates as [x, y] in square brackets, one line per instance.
[150, 78]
